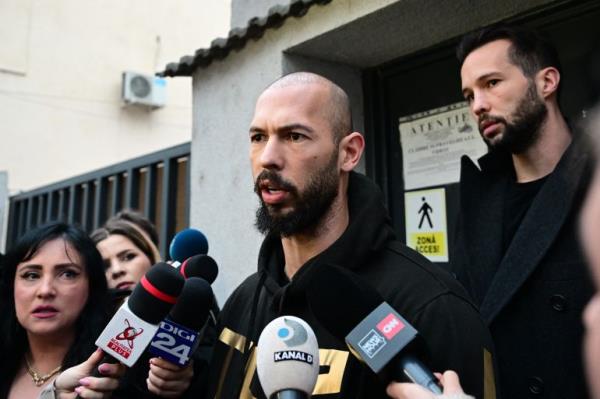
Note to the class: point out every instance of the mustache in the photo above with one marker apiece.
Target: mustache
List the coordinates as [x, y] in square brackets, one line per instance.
[489, 118]
[274, 178]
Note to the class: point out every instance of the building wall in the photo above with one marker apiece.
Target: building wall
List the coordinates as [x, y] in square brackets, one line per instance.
[60, 81]
[338, 40]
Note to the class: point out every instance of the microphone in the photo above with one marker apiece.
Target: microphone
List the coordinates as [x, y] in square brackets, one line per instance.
[287, 359]
[177, 335]
[376, 334]
[187, 243]
[202, 266]
[134, 324]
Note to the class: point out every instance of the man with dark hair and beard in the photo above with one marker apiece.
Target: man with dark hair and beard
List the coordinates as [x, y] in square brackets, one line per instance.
[516, 249]
[315, 210]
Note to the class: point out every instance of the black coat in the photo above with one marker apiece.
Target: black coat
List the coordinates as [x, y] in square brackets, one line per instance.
[533, 295]
[428, 297]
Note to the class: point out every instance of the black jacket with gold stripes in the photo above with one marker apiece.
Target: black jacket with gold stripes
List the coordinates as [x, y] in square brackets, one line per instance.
[454, 335]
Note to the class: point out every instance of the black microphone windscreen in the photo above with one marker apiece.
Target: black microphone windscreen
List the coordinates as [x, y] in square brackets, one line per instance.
[193, 304]
[156, 293]
[339, 299]
[202, 266]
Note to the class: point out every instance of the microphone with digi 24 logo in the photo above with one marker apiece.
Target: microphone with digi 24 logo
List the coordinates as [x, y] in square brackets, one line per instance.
[355, 312]
[178, 334]
[287, 360]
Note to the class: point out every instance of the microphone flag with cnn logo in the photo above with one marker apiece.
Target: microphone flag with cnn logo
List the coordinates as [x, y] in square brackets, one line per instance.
[380, 336]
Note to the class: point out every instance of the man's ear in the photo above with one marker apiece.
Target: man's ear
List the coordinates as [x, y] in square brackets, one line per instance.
[547, 81]
[350, 150]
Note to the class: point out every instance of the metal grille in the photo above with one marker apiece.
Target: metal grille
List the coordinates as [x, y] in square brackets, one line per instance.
[156, 184]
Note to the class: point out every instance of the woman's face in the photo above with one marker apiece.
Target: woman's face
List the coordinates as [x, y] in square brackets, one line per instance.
[125, 264]
[51, 289]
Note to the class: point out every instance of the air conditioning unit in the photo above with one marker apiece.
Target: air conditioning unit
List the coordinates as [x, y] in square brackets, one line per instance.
[146, 90]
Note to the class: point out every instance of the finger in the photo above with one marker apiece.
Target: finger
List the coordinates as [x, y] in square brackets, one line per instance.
[162, 363]
[111, 369]
[172, 384]
[408, 391]
[451, 383]
[162, 391]
[87, 393]
[88, 365]
[167, 374]
[100, 384]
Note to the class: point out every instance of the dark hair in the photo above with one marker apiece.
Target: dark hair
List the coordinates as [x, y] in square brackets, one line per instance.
[529, 50]
[131, 231]
[91, 321]
[139, 220]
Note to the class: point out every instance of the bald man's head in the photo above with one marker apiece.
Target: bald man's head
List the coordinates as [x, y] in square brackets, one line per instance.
[338, 110]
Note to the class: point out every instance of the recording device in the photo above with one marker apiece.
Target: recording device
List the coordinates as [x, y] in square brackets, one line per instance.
[355, 312]
[202, 266]
[134, 324]
[187, 243]
[287, 359]
[177, 335]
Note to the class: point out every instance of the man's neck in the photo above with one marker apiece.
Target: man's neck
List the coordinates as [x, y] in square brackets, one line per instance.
[541, 159]
[298, 249]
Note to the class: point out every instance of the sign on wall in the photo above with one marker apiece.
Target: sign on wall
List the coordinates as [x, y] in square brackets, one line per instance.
[426, 231]
[433, 142]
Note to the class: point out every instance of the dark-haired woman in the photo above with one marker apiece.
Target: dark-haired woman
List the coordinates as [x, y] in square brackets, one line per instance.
[53, 305]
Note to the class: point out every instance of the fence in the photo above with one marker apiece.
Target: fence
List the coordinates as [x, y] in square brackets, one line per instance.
[156, 184]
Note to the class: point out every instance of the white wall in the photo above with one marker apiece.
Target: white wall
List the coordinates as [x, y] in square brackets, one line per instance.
[60, 81]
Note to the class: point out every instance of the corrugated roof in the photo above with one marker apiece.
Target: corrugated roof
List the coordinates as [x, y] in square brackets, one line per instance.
[237, 38]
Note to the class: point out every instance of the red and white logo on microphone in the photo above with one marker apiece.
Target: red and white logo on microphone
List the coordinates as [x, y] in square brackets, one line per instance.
[128, 335]
[390, 326]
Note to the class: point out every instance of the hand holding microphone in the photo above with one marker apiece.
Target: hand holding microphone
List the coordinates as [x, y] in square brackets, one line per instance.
[449, 381]
[287, 360]
[176, 340]
[352, 311]
[128, 333]
[77, 379]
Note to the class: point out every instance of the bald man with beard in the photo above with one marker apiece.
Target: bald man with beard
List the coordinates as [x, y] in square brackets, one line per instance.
[314, 210]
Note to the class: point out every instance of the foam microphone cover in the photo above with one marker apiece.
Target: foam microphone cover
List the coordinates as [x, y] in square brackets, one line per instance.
[339, 299]
[287, 357]
[187, 243]
[157, 292]
[193, 304]
[202, 266]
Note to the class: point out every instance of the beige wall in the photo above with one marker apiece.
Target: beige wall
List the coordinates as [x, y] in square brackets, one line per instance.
[60, 81]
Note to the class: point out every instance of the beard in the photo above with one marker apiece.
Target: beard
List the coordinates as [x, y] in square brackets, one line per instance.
[308, 207]
[524, 130]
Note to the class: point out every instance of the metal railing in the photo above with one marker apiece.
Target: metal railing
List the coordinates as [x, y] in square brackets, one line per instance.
[156, 184]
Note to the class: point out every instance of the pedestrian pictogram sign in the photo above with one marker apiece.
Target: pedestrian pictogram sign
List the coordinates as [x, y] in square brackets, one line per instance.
[425, 215]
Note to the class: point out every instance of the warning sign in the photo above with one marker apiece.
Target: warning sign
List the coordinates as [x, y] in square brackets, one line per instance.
[426, 232]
